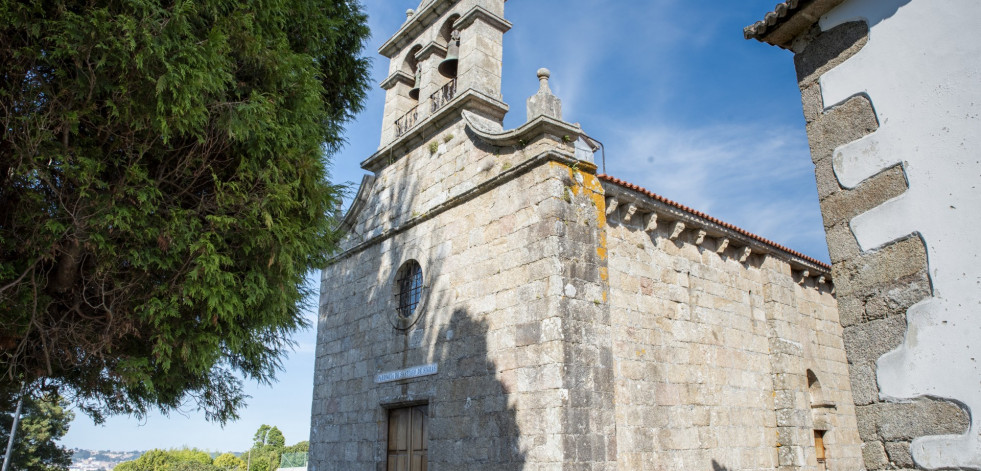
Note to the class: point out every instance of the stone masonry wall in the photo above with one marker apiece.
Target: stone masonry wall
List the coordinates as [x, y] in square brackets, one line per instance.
[875, 288]
[712, 355]
[506, 320]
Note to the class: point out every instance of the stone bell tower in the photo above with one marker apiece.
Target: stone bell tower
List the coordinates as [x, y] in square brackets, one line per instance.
[443, 50]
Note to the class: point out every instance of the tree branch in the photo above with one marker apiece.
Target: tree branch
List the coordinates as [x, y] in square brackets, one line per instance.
[21, 277]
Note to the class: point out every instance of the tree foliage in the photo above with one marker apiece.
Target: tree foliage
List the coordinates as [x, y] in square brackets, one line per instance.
[229, 462]
[269, 435]
[185, 459]
[267, 447]
[43, 422]
[163, 191]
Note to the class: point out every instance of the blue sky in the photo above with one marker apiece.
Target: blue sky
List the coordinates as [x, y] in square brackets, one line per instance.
[685, 106]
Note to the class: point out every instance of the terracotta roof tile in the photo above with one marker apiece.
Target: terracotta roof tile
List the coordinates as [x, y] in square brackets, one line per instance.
[780, 12]
[788, 20]
[694, 212]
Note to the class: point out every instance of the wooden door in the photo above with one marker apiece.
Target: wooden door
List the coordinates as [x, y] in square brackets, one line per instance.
[407, 439]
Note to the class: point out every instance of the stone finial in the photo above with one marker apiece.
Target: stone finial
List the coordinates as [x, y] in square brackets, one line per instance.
[543, 76]
[409, 14]
[544, 103]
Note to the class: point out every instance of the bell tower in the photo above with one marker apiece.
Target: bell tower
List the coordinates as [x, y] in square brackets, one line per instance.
[447, 51]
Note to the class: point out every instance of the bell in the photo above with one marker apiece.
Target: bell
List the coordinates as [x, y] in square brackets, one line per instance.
[448, 67]
[414, 93]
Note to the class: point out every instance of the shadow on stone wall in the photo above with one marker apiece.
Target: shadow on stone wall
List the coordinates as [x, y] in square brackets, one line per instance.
[718, 467]
[473, 426]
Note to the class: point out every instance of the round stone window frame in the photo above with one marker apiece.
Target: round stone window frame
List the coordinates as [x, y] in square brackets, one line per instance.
[406, 322]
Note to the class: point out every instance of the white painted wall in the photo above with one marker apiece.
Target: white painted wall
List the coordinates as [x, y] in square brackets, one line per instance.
[922, 71]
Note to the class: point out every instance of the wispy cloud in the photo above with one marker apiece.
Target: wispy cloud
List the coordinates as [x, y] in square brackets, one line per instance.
[751, 174]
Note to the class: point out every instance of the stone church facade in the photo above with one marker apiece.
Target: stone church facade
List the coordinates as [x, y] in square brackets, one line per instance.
[500, 305]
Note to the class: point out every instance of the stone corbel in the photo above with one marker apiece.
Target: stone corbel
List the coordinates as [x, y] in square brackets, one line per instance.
[650, 223]
[723, 244]
[804, 275]
[676, 230]
[611, 205]
[701, 237]
[394, 79]
[822, 280]
[631, 209]
[744, 255]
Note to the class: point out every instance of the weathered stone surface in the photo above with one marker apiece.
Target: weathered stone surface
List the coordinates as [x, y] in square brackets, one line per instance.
[829, 49]
[842, 206]
[720, 331]
[883, 267]
[874, 454]
[868, 341]
[899, 455]
[838, 126]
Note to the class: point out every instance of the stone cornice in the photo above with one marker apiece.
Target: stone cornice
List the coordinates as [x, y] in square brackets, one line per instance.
[421, 20]
[482, 188]
[653, 211]
[524, 134]
[480, 13]
[469, 99]
[398, 76]
[430, 49]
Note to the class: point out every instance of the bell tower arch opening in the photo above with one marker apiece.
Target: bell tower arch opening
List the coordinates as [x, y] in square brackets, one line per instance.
[449, 37]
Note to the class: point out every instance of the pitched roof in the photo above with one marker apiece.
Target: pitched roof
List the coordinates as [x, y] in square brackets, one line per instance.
[701, 215]
[788, 20]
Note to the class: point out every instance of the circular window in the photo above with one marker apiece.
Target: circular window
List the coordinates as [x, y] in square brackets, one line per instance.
[408, 293]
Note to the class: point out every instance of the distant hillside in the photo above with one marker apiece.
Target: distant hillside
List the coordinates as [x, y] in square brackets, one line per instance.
[92, 460]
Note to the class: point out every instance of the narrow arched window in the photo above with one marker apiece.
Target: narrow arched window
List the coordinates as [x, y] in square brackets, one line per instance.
[408, 288]
[814, 389]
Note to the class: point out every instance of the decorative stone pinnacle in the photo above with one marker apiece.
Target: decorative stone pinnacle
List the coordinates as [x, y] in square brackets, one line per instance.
[543, 76]
[544, 103]
[409, 13]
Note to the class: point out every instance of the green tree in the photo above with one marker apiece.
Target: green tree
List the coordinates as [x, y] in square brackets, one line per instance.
[270, 436]
[228, 461]
[301, 447]
[164, 193]
[186, 459]
[43, 422]
[268, 446]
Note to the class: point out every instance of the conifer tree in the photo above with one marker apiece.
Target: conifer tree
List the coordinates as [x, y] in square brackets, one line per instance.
[43, 422]
[164, 192]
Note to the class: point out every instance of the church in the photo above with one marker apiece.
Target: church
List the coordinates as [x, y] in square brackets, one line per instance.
[499, 303]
